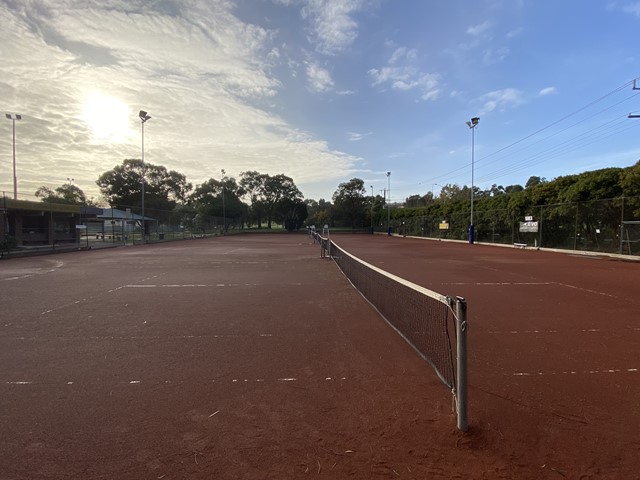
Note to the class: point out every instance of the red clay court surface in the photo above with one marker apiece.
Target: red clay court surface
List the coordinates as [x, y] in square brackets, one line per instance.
[251, 357]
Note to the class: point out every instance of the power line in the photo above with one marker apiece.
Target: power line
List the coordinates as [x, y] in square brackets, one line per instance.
[451, 173]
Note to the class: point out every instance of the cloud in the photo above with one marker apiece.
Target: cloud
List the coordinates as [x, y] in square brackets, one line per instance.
[500, 100]
[514, 33]
[202, 74]
[356, 137]
[548, 91]
[493, 56]
[632, 8]
[479, 29]
[403, 53]
[319, 78]
[332, 26]
[402, 74]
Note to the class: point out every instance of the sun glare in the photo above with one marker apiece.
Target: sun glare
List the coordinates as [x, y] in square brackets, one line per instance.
[107, 117]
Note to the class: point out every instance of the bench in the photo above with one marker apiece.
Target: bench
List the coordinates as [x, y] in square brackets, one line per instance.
[520, 245]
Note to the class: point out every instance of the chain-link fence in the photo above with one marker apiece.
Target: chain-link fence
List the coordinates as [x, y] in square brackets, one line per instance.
[611, 226]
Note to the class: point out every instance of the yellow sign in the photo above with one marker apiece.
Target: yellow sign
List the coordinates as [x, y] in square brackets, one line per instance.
[443, 226]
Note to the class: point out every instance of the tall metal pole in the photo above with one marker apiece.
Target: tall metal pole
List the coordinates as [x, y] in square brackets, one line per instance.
[389, 204]
[472, 125]
[461, 352]
[473, 150]
[143, 182]
[371, 212]
[224, 214]
[13, 117]
[144, 116]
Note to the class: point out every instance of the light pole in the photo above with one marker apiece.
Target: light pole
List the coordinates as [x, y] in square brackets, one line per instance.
[224, 214]
[472, 125]
[371, 214]
[13, 117]
[389, 204]
[144, 116]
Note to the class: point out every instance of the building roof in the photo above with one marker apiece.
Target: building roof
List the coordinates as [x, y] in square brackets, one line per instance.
[117, 214]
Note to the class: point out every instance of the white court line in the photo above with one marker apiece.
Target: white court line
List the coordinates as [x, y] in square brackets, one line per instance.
[168, 382]
[529, 332]
[497, 283]
[575, 372]
[145, 337]
[586, 290]
[217, 285]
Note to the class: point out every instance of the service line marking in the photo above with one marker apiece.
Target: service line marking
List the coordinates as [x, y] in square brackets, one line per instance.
[584, 330]
[585, 290]
[170, 382]
[145, 337]
[575, 372]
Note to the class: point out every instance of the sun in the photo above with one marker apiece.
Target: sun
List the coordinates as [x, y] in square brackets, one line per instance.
[107, 116]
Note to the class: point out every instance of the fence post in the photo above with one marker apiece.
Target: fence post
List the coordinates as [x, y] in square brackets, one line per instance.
[540, 227]
[575, 233]
[621, 224]
[461, 354]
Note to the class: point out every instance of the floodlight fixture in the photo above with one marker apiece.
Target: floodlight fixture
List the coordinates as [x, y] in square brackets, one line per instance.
[144, 116]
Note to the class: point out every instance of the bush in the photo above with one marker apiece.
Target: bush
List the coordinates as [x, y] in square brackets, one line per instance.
[8, 243]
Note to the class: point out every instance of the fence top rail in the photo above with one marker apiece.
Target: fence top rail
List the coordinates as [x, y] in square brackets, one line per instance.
[425, 291]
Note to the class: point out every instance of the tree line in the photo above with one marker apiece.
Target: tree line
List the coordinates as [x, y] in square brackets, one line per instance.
[261, 199]
[255, 198]
[353, 207]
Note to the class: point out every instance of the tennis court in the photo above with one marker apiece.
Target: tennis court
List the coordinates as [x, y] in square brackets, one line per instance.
[251, 357]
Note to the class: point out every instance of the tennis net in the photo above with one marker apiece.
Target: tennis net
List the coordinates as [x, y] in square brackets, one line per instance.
[422, 317]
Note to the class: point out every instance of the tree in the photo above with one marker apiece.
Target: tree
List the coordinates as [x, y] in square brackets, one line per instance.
[534, 181]
[277, 188]
[218, 198]
[349, 203]
[319, 212]
[292, 213]
[252, 184]
[266, 192]
[164, 189]
[66, 193]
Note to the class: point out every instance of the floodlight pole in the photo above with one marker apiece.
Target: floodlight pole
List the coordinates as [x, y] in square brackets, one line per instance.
[144, 116]
[389, 204]
[13, 117]
[472, 125]
[224, 214]
[371, 213]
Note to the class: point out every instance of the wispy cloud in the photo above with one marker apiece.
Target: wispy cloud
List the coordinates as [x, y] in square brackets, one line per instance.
[548, 91]
[633, 8]
[491, 56]
[500, 100]
[356, 137]
[401, 73]
[332, 26]
[479, 29]
[514, 33]
[319, 78]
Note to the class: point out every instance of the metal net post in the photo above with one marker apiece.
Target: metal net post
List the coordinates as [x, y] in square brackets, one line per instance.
[461, 354]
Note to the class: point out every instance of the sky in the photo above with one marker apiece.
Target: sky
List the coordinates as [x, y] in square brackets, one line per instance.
[321, 90]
